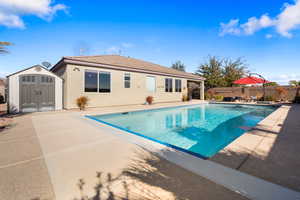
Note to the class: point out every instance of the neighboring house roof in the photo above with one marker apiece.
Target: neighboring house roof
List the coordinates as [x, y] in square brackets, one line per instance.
[2, 82]
[124, 63]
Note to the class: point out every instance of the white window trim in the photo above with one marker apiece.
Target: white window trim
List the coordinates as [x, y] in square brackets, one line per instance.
[179, 81]
[125, 80]
[173, 88]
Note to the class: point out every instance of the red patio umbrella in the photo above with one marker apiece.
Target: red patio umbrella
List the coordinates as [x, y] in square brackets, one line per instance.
[249, 80]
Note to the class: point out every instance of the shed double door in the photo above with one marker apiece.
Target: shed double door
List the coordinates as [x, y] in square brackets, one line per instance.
[37, 93]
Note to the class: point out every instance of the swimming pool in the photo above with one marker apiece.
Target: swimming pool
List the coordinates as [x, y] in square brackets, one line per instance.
[201, 130]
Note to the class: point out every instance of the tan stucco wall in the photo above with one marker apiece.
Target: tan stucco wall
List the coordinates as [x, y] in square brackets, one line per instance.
[61, 72]
[74, 88]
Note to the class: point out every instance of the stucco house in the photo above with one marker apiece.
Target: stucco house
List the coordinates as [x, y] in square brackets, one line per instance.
[109, 80]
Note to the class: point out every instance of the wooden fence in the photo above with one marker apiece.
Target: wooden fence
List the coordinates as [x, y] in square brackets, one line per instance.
[246, 92]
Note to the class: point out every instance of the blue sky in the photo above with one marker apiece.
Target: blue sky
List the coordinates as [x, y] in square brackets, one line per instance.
[265, 33]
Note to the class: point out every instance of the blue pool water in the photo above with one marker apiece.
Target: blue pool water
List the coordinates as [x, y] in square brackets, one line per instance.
[201, 130]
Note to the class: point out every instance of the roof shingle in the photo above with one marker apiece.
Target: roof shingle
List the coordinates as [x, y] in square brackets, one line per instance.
[131, 63]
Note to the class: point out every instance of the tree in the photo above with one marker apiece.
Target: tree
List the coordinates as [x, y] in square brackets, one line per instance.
[3, 46]
[233, 70]
[212, 71]
[178, 65]
[294, 83]
[282, 92]
[271, 84]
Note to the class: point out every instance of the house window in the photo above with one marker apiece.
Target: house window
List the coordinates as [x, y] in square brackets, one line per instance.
[95, 81]
[127, 80]
[168, 85]
[150, 83]
[90, 81]
[177, 85]
[104, 82]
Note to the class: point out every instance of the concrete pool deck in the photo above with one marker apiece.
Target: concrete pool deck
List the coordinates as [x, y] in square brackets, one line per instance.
[47, 161]
[269, 150]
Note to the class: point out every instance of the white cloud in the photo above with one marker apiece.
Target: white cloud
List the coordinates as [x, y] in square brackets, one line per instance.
[255, 24]
[232, 27]
[113, 50]
[11, 21]
[284, 22]
[119, 49]
[127, 45]
[3, 74]
[285, 78]
[288, 19]
[268, 36]
[157, 50]
[11, 11]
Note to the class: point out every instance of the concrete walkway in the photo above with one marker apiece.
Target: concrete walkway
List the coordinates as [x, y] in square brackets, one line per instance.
[79, 158]
[23, 172]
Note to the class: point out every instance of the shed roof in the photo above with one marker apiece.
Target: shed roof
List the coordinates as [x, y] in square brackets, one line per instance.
[25, 69]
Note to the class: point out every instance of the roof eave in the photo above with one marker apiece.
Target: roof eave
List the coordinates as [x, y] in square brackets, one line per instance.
[58, 64]
[67, 60]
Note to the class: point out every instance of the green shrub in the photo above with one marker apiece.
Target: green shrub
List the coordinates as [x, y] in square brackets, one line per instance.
[218, 97]
[185, 98]
[207, 96]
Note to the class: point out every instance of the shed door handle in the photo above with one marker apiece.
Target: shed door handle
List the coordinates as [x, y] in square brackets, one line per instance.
[37, 92]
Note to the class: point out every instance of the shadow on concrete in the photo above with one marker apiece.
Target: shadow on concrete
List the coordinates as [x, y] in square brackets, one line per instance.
[103, 188]
[7, 122]
[150, 177]
[276, 160]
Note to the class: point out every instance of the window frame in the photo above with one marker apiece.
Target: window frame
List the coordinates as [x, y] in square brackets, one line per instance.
[127, 74]
[168, 84]
[104, 72]
[98, 82]
[84, 85]
[178, 82]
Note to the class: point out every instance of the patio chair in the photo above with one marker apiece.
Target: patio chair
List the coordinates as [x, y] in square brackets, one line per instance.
[253, 98]
[238, 98]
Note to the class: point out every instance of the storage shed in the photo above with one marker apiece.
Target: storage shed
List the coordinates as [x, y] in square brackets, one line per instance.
[34, 89]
